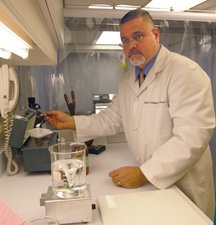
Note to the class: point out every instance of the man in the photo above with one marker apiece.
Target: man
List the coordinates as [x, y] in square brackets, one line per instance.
[166, 111]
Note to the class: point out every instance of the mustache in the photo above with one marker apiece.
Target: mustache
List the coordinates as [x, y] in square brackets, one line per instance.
[134, 51]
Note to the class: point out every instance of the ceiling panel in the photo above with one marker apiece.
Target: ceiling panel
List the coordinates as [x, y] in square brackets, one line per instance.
[209, 5]
[86, 3]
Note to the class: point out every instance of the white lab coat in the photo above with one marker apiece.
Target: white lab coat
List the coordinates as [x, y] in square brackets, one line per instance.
[168, 123]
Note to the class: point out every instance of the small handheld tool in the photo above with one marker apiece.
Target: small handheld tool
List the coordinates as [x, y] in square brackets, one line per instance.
[71, 105]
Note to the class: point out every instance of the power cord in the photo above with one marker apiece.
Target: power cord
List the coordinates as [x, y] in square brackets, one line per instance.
[12, 166]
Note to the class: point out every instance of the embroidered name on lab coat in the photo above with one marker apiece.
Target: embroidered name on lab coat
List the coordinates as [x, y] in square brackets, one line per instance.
[155, 103]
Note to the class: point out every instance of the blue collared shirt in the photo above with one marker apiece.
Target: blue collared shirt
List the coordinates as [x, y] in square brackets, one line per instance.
[147, 68]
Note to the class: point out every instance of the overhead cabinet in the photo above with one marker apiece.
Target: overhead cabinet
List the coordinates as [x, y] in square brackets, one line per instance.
[39, 22]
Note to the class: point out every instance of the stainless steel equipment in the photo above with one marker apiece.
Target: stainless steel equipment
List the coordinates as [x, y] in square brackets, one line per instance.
[69, 198]
[68, 210]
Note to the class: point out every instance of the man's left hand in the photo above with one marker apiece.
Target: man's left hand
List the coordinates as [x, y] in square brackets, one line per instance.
[128, 177]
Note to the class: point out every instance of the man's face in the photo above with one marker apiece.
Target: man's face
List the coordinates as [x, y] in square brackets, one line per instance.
[140, 41]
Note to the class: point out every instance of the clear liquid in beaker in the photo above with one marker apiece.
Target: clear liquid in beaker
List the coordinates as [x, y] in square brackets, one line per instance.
[68, 178]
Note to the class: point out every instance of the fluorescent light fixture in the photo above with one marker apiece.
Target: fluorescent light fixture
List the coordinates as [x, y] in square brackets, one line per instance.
[100, 6]
[127, 7]
[171, 5]
[109, 38]
[5, 54]
[12, 42]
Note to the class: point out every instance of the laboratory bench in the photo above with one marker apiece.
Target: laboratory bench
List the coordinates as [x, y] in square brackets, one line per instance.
[22, 192]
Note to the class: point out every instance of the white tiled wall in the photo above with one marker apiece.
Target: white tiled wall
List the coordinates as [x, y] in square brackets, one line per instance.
[117, 138]
[70, 135]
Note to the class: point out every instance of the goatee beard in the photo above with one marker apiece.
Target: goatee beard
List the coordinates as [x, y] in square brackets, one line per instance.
[137, 61]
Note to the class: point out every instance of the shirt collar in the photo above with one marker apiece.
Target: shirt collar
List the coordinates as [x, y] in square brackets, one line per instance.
[147, 68]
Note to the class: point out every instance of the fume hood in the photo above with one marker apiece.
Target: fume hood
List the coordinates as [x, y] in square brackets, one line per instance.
[84, 23]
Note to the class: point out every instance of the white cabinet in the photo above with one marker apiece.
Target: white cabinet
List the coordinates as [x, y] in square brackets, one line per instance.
[42, 22]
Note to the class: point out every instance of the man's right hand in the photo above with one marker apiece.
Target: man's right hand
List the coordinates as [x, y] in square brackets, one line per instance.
[59, 119]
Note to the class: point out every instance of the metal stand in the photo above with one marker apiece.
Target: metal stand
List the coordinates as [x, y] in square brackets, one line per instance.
[68, 210]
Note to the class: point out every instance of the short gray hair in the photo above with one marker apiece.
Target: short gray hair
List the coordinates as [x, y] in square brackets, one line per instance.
[134, 14]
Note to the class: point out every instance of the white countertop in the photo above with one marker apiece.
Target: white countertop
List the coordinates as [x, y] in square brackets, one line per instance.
[22, 192]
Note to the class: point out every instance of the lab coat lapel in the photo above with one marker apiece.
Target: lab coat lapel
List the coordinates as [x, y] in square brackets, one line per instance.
[148, 80]
[135, 85]
[156, 69]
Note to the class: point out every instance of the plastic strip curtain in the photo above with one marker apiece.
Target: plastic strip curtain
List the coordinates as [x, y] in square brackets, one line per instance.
[88, 71]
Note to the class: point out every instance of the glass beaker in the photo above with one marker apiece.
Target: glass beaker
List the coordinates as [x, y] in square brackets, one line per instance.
[68, 168]
[42, 221]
